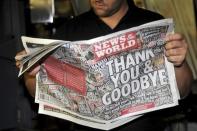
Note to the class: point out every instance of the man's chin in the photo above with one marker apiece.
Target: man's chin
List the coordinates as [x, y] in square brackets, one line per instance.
[101, 13]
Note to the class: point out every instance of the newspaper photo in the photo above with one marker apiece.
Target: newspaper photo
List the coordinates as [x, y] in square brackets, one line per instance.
[107, 81]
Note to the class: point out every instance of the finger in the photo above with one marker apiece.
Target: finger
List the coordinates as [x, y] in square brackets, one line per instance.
[176, 44]
[172, 37]
[21, 53]
[175, 52]
[18, 64]
[176, 60]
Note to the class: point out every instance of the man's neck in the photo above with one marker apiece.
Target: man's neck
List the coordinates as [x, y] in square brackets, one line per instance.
[112, 21]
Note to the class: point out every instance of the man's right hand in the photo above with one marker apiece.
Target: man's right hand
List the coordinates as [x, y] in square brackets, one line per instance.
[18, 64]
[30, 75]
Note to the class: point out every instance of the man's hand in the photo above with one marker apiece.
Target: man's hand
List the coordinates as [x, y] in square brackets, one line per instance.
[30, 75]
[18, 58]
[176, 49]
[33, 71]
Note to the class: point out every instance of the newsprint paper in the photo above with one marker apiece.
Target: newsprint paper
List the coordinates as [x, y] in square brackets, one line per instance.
[107, 81]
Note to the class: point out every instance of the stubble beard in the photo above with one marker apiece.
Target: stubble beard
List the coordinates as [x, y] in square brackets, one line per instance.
[106, 12]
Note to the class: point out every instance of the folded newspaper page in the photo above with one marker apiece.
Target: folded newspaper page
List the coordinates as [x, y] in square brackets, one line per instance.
[55, 112]
[107, 81]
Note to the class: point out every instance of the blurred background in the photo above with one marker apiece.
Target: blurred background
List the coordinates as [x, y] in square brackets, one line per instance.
[42, 18]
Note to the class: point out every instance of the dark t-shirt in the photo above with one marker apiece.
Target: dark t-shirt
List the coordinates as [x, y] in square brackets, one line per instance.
[88, 26]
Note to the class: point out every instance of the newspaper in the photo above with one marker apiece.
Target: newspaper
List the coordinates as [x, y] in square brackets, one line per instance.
[55, 112]
[107, 81]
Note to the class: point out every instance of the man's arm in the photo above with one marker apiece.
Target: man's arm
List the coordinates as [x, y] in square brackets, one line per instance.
[184, 79]
[176, 50]
[30, 76]
[30, 80]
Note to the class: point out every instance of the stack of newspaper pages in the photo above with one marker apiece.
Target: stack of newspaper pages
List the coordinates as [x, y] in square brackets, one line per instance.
[107, 81]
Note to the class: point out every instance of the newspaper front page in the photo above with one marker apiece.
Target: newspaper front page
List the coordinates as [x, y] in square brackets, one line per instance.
[106, 81]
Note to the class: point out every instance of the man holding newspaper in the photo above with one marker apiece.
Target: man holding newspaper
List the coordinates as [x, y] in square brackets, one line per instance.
[109, 16]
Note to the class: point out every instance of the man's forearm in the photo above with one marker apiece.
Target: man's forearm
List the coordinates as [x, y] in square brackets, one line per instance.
[30, 82]
[184, 79]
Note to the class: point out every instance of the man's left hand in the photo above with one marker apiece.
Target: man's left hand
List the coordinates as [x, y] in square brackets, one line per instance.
[176, 49]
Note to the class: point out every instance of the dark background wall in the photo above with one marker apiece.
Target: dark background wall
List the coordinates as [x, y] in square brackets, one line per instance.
[16, 105]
